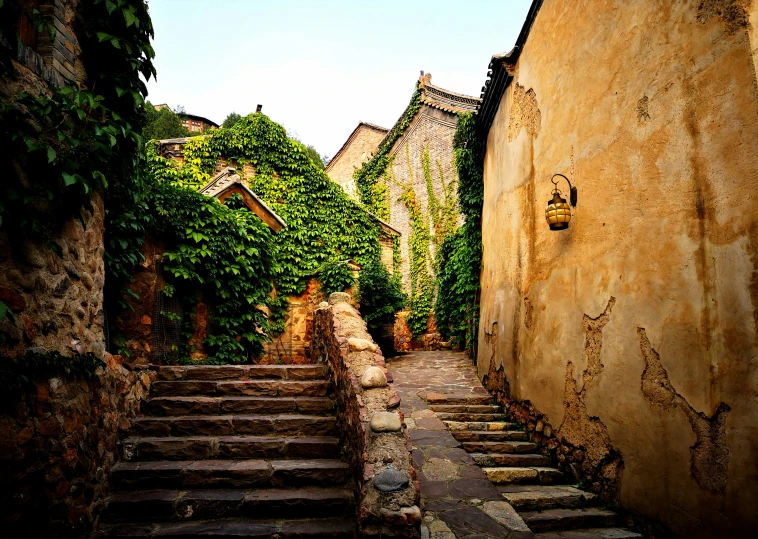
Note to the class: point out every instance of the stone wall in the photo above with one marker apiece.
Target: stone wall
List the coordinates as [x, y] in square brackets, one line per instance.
[373, 435]
[55, 291]
[57, 445]
[634, 333]
[293, 346]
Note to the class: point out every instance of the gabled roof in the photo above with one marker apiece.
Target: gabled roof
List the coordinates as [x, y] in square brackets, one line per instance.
[227, 183]
[352, 137]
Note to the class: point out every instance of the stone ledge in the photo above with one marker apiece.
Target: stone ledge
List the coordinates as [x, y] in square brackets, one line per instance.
[340, 340]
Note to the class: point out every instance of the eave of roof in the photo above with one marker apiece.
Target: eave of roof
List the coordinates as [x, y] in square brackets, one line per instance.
[196, 117]
[352, 137]
[498, 78]
[442, 99]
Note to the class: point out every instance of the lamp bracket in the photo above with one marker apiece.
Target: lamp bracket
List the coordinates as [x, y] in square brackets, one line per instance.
[572, 190]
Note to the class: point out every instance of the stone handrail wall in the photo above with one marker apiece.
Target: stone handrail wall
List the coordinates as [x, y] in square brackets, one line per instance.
[373, 435]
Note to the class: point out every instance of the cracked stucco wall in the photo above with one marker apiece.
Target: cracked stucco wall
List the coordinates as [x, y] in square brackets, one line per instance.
[634, 332]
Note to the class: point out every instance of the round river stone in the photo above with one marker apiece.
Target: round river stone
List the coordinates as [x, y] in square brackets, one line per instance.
[373, 377]
[385, 422]
[390, 480]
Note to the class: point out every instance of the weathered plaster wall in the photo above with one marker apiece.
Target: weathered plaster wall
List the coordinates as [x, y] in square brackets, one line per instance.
[635, 331]
[359, 149]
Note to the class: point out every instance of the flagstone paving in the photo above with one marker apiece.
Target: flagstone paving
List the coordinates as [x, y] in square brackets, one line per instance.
[458, 499]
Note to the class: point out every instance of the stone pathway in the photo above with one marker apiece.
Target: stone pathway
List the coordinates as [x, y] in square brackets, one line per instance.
[456, 427]
[457, 498]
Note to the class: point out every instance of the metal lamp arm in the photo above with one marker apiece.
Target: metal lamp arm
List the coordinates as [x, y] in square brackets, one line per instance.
[572, 189]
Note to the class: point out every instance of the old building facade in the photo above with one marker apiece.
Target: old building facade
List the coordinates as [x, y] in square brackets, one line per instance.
[633, 332]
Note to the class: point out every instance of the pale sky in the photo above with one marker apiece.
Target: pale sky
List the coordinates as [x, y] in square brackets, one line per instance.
[319, 67]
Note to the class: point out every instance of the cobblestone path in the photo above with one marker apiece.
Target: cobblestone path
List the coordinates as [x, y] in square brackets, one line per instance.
[458, 499]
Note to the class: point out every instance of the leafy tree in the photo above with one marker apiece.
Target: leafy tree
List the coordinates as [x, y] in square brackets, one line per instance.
[161, 124]
[232, 119]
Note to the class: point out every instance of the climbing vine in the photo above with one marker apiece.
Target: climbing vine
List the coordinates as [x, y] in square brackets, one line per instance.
[372, 190]
[460, 254]
[223, 252]
[442, 216]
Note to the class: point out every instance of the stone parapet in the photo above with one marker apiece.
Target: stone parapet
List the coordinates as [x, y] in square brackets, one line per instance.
[372, 432]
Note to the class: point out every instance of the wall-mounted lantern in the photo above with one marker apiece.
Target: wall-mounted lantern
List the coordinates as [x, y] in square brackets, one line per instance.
[558, 212]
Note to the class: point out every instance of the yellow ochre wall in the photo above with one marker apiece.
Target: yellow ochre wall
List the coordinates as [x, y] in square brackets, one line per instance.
[636, 330]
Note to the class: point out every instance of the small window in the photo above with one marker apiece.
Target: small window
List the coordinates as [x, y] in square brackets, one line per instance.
[27, 30]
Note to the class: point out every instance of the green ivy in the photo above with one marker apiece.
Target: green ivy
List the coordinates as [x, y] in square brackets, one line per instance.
[225, 252]
[460, 254]
[369, 179]
[335, 276]
[380, 295]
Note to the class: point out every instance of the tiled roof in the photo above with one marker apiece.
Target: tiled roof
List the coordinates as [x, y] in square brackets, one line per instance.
[439, 98]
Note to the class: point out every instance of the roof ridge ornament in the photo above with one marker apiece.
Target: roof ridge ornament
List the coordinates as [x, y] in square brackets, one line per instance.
[424, 80]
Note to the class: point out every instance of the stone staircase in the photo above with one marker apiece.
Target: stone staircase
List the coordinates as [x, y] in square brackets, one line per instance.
[536, 489]
[233, 451]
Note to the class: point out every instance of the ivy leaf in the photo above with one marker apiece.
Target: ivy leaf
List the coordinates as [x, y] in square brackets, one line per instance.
[50, 154]
[130, 17]
[69, 179]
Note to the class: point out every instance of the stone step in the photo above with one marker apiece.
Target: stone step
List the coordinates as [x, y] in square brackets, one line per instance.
[252, 388]
[510, 459]
[499, 447]
[488, 435]
[165, 505]
[466, 417]
[481, 425]
[172, 406]
[137, 448]
[210, 474]
[230, 425]
[459, 398]
[322, 528]
[513, 475]
[238, 372]
[591, 533]
[467, 408]
[540, 497]
[569, 519]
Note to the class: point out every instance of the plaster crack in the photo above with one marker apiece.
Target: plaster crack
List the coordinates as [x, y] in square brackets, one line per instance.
[709, 457]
